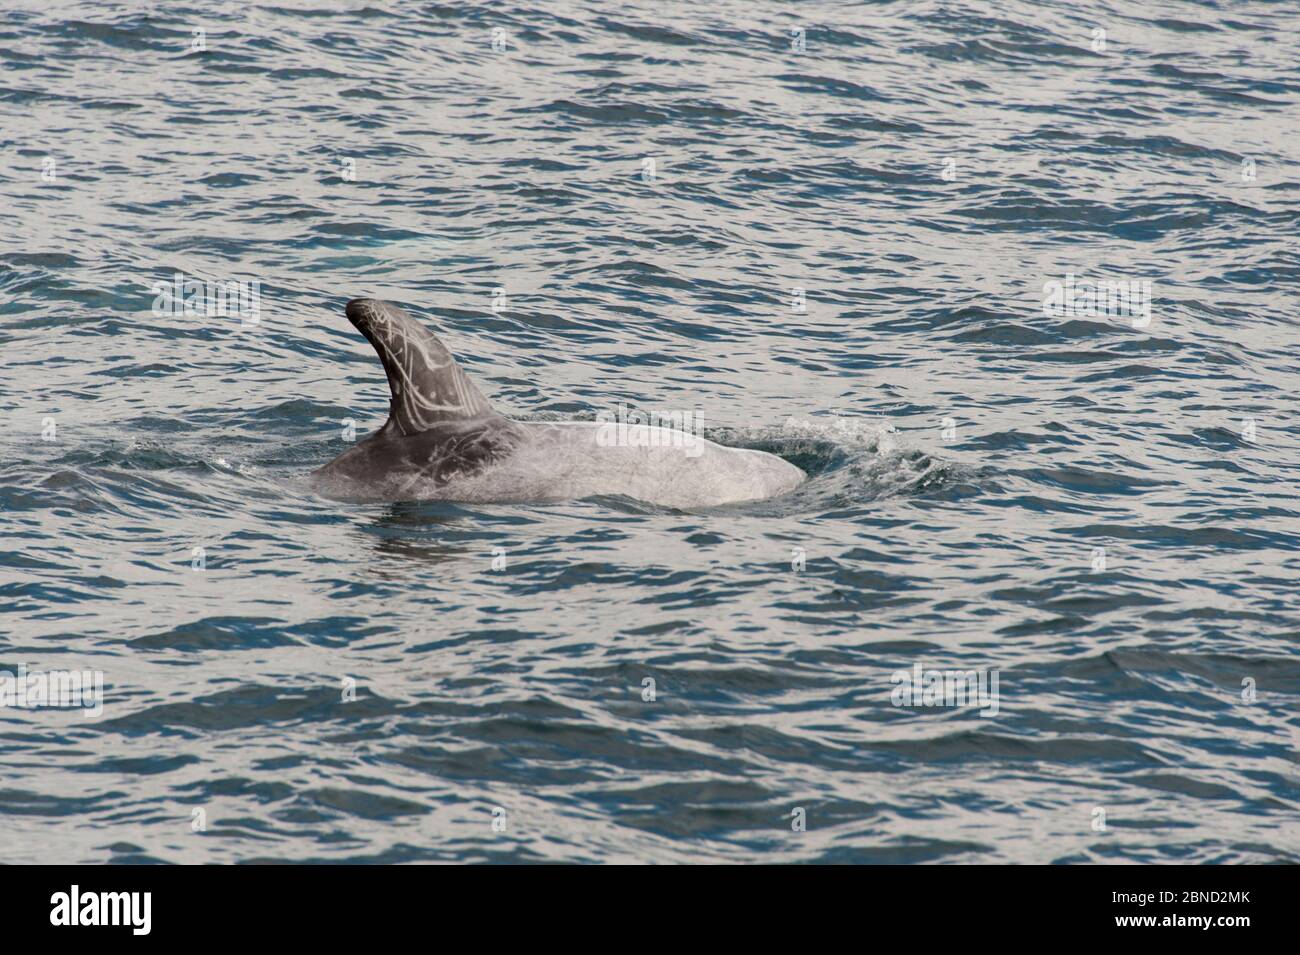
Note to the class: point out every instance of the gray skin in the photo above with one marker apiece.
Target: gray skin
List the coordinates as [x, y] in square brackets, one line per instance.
[444, 442]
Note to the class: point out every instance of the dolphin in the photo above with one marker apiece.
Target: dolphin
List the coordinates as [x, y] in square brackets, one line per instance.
[443, 441]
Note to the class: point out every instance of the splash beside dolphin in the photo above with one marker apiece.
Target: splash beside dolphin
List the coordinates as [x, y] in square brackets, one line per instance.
[443, 441]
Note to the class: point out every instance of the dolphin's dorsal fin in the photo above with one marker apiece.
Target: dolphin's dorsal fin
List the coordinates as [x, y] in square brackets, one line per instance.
[428, 388]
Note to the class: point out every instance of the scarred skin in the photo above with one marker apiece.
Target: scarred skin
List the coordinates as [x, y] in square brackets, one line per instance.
[389, 466]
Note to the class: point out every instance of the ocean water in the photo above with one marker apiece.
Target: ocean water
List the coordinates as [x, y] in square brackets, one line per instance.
[830, 231]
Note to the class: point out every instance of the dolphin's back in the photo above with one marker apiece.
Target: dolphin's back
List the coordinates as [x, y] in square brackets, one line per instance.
[560, 461]
[443, 441]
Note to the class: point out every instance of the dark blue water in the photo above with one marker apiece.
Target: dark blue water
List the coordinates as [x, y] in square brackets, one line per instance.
[1101, 509]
